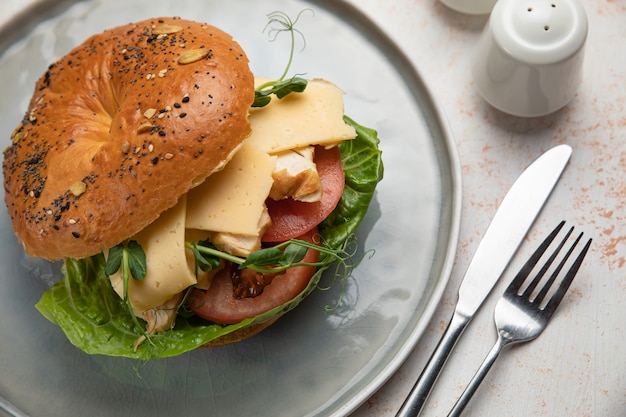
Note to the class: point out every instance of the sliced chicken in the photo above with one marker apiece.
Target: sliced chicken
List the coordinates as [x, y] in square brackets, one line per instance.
[296, 176]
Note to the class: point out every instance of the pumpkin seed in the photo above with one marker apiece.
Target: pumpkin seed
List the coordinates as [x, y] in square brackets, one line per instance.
[18, 133]
[149, 113]
[78, 188]
[144, 127]
[166, 29]
[193, 56]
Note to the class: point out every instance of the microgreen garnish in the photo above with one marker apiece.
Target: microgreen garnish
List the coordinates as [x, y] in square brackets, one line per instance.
[131, 253]
[342, 271]
[280, 88]
[205, 263]
[280, 22]
[130, 257]
[273, 259]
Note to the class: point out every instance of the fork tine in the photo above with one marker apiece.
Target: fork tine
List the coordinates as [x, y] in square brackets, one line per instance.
[548, 284]
[546, 266]
[525, 271]
[569, 277]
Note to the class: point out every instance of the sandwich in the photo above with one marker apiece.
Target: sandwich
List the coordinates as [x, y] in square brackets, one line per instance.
[192, 203]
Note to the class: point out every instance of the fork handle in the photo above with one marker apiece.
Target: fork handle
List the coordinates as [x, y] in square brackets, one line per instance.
[414, 403]
[478, 377]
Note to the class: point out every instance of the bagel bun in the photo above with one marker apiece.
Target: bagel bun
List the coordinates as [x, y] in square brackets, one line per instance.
[121, 127]
[240, 334]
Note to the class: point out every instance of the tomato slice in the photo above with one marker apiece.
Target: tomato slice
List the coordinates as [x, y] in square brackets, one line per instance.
[219, 303]
[291, 218]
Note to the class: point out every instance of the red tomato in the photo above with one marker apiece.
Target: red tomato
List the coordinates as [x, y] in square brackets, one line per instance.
[292, 218]
[219, 303]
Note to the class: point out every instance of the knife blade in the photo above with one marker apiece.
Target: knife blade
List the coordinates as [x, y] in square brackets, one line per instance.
[505, 233]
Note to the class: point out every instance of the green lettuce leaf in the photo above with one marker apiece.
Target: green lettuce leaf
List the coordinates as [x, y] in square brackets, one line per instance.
[96, 320]
[363, 167]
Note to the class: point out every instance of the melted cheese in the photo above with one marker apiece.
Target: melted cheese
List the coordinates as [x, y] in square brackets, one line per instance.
[233, 200]
[314, 117]
[169, 271]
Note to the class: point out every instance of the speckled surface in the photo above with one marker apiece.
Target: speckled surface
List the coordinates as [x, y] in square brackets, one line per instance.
[576, 367]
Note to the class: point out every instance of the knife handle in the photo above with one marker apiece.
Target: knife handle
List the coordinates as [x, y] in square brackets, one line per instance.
[418, 395]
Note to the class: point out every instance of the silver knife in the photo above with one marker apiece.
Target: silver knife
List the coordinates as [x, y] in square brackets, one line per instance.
[514, 217]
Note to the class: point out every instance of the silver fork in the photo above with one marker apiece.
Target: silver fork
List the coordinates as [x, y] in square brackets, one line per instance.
[524, 310]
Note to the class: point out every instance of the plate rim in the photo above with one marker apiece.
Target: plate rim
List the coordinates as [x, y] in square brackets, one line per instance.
[454, 215]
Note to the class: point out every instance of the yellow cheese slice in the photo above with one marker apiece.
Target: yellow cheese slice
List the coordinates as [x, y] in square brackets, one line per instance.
[169, 271]
[313, 117]
[233, 200]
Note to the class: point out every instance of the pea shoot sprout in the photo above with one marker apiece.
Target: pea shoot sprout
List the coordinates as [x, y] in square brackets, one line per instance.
[278, 23]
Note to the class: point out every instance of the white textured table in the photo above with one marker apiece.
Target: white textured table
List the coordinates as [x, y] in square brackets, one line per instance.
[577, 367]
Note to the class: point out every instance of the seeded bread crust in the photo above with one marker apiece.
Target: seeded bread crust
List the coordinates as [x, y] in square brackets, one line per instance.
[119, 128]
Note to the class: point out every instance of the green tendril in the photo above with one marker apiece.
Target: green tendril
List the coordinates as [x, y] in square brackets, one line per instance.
[285, 24]
[275, 259]
[342, 271]
[279, 22]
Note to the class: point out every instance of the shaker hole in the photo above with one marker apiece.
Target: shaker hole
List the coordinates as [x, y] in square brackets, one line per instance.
[546, 28]
[530, 9]
[553, 5]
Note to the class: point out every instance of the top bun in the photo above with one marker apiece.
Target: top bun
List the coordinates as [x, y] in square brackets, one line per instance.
[119, 129]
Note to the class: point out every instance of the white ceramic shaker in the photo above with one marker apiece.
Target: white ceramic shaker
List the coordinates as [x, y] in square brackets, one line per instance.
[529, 59]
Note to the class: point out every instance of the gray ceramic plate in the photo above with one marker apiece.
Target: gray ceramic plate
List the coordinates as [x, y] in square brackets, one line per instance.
[308, 363]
